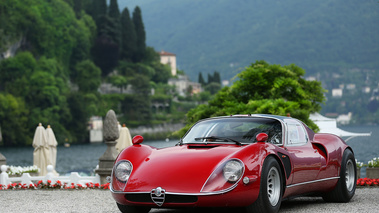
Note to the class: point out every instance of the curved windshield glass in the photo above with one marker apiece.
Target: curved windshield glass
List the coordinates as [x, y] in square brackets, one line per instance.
[234, 130]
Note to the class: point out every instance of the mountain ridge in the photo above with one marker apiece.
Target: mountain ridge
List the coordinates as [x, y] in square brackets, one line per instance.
[226, 36]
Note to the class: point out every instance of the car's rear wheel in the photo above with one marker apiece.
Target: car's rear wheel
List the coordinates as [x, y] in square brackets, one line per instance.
[345, 188]
[133, 209]
[270, 193]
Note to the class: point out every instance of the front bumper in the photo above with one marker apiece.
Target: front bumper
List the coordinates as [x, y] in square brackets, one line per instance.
[238, 197]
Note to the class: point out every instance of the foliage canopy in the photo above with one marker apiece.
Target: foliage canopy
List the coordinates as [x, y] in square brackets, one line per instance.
[264, 89]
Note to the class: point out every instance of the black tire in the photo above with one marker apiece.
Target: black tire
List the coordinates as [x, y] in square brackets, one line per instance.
[271, 189]
[133, 209]
[345, 188]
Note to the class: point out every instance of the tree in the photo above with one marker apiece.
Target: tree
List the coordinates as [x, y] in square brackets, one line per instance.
[213, 87]
[13, 120]
[114, 15]
[98, 9]
[88, 76]
[114, 12]
[137, 109]
[201, 79]
[141, 85]
[105, 54]
[78, 109]
[128, 37]
[210, 78]
[84, 40]
[47, 97]
[162, 72]
[141, 35]
[264, 88]
[15, 72]
[216, 77]
[78, 6]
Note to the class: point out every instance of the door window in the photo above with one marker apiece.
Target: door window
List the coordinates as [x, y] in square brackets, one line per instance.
[296, 133]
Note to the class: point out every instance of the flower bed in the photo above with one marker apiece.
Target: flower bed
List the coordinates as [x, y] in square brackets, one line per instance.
[361, 182]
[368, 182]
[57, 185]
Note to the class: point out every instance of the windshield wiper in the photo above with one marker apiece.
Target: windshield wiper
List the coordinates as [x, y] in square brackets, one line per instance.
[220, 138]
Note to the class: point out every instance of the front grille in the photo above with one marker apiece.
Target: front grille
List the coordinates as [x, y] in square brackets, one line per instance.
[145, 198]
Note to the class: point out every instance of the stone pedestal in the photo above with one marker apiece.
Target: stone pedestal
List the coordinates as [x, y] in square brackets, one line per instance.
[3, 160]
[110, 133]
[106, 161]
[372, 173]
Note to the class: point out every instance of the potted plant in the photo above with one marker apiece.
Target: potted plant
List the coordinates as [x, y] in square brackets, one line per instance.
[372, 170]
[17, 171]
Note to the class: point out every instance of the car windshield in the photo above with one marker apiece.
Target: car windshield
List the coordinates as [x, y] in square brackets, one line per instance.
[234, 130]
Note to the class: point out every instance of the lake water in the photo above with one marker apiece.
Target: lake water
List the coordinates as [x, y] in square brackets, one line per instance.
[85, 157]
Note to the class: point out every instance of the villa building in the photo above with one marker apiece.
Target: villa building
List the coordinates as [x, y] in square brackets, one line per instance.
[170, 59]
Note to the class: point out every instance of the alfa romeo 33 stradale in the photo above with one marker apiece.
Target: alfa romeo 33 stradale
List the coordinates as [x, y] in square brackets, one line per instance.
[251, 161]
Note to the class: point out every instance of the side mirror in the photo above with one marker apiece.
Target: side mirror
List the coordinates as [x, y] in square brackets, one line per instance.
[262, 137]
[137, 139]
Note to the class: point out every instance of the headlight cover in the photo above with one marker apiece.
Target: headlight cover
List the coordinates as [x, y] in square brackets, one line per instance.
[122, 171]
[233, 170]
[225, 177]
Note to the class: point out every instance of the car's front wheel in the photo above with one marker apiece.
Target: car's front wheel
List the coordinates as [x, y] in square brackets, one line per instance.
[132, 209]
[270, 193]
[345, 188]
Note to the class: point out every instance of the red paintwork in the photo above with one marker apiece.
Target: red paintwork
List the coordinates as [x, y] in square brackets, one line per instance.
[137, 139]
[262, 137]
[185, 169]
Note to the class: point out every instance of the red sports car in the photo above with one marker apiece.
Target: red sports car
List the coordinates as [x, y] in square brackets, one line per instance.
[251, 161]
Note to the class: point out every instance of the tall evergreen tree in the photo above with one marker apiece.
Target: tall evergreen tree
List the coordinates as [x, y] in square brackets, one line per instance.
[98, 9]
[114, 15]
[210, 78]
[141, 35]
[216, 77]
[114, 11]
[78, 6]
[105, 51]
[128, 36]
[201, 79]
[105, 54]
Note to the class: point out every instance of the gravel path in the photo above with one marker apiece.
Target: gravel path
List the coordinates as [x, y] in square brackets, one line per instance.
[91, 200]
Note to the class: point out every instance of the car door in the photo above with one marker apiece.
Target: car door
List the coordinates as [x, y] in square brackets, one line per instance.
[304, 157]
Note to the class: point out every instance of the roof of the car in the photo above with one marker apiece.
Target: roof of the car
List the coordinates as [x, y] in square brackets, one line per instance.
[278, 117]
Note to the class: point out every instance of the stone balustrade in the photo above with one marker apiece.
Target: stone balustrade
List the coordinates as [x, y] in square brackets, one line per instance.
[25, 178]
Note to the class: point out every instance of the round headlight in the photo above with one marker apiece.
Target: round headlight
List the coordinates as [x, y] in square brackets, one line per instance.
[233, 170]
[123, 169]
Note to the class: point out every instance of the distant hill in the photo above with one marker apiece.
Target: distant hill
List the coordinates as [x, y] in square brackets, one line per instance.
[228, 35]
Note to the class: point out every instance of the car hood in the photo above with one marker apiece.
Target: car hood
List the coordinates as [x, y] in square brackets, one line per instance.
[179, 169]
